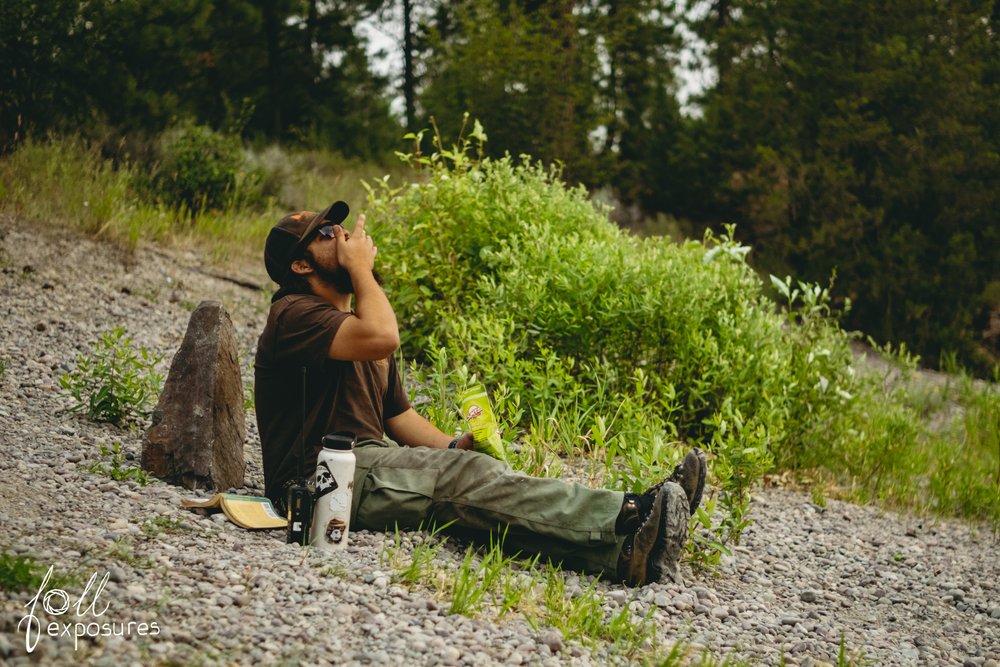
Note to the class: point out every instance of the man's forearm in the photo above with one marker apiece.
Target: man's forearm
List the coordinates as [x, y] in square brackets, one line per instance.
[412, 430]
[371, 306]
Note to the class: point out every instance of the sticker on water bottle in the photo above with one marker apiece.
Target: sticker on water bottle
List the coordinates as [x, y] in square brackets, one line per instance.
[335, 530]
[340, 502]
[325, 481]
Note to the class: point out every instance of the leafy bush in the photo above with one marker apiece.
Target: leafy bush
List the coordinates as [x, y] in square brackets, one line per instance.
[202, 169]
[609, 343]
[627, 350]
[116, 382]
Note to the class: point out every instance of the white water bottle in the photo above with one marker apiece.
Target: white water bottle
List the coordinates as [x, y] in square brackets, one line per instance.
[334, 481]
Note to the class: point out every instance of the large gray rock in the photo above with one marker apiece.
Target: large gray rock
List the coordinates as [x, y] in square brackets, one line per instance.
[197, 433]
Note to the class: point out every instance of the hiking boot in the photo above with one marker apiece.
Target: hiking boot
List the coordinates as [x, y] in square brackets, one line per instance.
[639, 520]
[690, 474]
[656, 523]
[671, 536]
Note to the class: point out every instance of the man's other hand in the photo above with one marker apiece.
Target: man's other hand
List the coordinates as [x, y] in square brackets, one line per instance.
[465, 441]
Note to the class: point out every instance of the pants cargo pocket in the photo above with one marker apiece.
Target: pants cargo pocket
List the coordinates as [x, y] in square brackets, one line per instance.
[396, 497]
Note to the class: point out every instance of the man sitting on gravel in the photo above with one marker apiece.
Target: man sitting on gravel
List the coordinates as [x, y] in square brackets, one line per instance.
[344, 360]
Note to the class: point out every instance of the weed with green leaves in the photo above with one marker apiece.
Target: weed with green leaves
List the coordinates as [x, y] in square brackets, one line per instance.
[162, 524]
[116, 382]
[123, 549]
[24, 573]
[114, 466]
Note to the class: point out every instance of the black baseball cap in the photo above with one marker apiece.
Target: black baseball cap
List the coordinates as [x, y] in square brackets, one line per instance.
[288, 239]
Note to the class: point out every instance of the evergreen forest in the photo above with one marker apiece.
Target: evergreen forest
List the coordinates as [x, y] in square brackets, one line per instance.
[852, 144]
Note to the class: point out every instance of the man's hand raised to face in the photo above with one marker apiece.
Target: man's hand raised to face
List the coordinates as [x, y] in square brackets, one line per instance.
[356, 251]
[372, 333]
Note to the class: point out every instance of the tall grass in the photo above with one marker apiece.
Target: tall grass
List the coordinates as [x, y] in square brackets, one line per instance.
[964, 456]
[66, 181]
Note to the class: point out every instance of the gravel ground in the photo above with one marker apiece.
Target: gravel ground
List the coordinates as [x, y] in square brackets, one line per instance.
[900, 589]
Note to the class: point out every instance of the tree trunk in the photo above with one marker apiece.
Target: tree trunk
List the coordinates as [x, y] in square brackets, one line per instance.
[723, 53]
[312, 17]
[564, 112]
[409, 81]
[272, 34]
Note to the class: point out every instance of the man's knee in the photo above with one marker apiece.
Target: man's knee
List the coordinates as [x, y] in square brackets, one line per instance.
[395, 496]
[480, 462]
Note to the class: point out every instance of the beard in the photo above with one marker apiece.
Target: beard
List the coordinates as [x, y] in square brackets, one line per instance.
[338, 278]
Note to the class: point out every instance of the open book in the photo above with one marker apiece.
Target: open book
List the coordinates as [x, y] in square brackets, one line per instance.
[244, 511]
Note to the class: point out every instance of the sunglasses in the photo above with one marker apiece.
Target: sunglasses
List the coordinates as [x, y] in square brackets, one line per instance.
[327, 231]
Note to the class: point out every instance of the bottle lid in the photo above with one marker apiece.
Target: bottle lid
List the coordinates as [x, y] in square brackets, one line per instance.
[341, 440]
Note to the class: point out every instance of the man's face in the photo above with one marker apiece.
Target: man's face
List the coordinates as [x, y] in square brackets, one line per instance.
[321, 254]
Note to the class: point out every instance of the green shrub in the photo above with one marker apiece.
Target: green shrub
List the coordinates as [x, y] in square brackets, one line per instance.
[632, 348]
[202, 169]
[627, 350]
[116, 382]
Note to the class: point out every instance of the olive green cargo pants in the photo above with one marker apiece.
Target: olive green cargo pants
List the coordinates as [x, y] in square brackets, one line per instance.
[413, 487]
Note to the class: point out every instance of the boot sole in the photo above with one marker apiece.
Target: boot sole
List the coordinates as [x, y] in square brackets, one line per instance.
[699, 490]
[644, 542]
[673, 533]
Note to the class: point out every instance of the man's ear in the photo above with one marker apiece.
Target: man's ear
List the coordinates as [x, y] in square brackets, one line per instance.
[301, 267]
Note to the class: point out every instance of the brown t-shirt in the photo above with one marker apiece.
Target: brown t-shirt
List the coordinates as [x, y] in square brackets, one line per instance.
[356, 396]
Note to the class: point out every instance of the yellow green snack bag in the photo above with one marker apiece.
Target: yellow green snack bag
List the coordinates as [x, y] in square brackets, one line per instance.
[478, 412]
